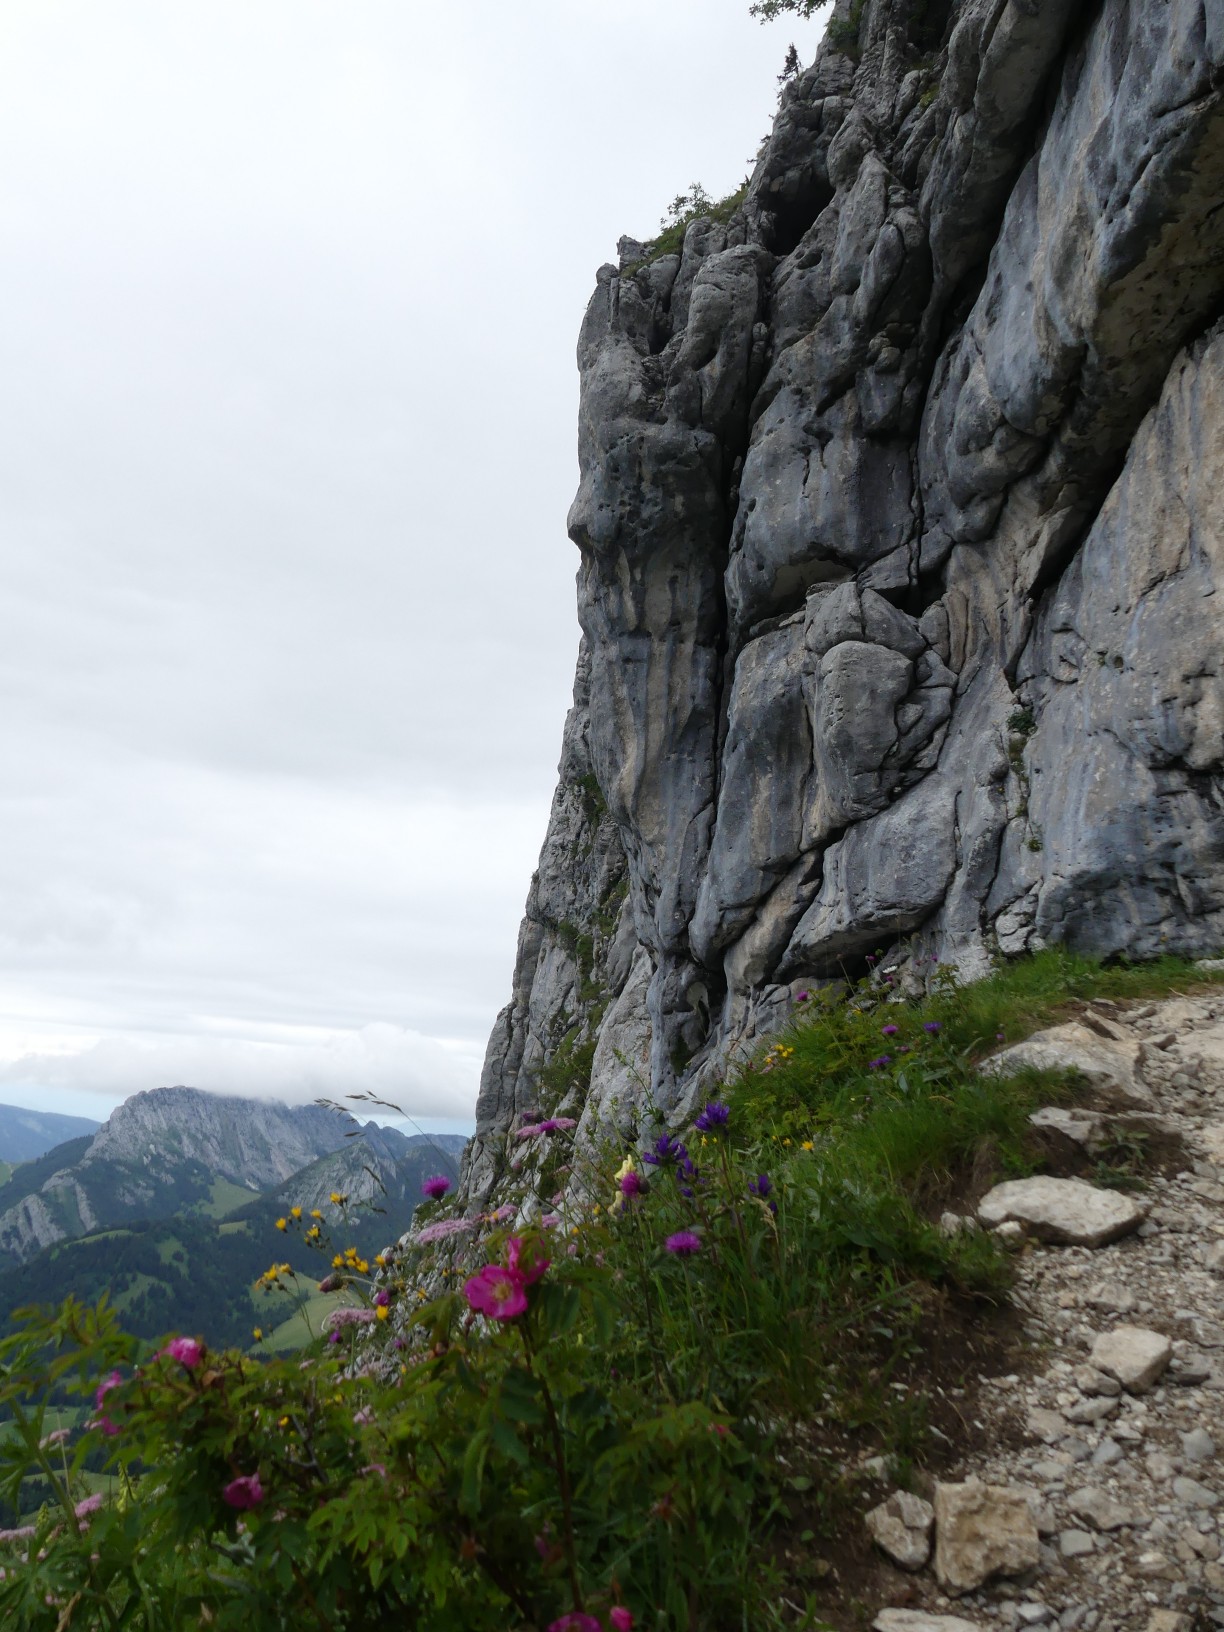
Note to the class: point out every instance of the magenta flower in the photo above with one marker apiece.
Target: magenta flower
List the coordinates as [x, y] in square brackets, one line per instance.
[436, 1187]
[890, 1031]
[800, 997]
[631, 1185]
[90, 1504]
[381, 1300]
[529, 1274]
[497, 1292]
[186, 1350]
[575, 1622]
[243, 1492]
[684, 1243]
[620, 1619]
[105, 1386]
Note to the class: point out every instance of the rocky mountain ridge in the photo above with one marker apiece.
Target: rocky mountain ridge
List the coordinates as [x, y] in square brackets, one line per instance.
[900, 527]
[164, 1151]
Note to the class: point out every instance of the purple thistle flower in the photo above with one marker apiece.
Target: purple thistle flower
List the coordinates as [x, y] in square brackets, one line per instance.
[684, 1243]
[666, 1150]
[878, 1064]
[890, 1031]
[931, 1025]
[714, 1117]
[802, 997]
[631, 1185]
[436, 1187]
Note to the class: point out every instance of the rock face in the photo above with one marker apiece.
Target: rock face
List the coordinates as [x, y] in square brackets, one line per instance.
[900, 525]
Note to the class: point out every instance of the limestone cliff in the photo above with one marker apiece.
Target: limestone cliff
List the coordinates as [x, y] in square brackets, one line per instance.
[901, 521]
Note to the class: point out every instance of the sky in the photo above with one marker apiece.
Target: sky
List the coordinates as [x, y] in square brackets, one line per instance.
[287, 440]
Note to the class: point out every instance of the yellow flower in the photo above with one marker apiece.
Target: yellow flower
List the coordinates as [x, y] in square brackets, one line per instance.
[598, 1208]
[337, 1198]
[283, 1422]
[282, 1223]
[259, 1334]
[363, 1266]
[627, 1166]
[380, 1260]
[573, 1229]
[337, 1262]
[286, 1270]
[315, 1213]
[786, 1141]
[296, 1212]
[381, 1312]
[422, 1294]
[807, 1145]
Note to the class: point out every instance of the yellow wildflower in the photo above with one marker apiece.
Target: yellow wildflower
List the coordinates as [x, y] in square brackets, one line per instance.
[282, 1422]
[337, 1262]
[337, 1198]
[381, 1312]
[295, 1212]
[315, 1213]
[259, 1334]
[807, 1145]
[282, 1223]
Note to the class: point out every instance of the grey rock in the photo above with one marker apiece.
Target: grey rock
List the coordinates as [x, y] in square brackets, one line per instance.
[982, 1531]
[1198, 1445]
[1062, 1210]
[901, 1528]
[1135, 1356]
[1075, 1543]
[1191, 1493]
[1097, 1509]
[899, 528]
[919, 1620]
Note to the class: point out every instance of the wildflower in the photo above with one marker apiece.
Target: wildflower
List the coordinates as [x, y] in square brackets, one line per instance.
[338, 1199]
[551, 1220]
[338, 1262]
[932, 1026]
[807, 1145]
[575, 1622]
[761, 1185]
[348, 1317]
[382, 1299]
[879, 1063]
[258, 1334]
[243, 1492]
[315, 1213]
[890, 1031]
[282, 1223]
[88, 1505]
[436, 1187]
[185, 1350]
[496, 1292]
[802, 997]
[105, 1386]
[684, 1243]
[382, 1312]
[631, 1185]
[714, 1116]
[666, 1151]
[502, 1215]
[333, 1337]
[295, 1212]
[56, 1437]
[999, 1036]
[530, 1273]
[620, 1619]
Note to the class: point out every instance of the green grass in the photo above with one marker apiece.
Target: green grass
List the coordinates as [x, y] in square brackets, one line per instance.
[224, 1198]
[304, 1324]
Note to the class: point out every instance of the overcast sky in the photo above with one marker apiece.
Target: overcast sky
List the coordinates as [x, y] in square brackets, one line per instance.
[287, 437]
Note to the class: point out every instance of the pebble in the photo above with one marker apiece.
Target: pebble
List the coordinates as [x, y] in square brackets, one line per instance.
[1075, 1543]
[1198, 1445]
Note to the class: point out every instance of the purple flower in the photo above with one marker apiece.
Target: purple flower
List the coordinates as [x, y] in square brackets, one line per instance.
[878, 1064]
[999, 1036]
[871, 957]
[801, 997]
[666, 1150]
[620, 1619]
[382, 1299]
[551, 1124]
[348, 1317]
[243, 1492]
[88, 1505]
[333, 1337]
[931, 1025]
[761, 1185]
[631, 1185]
[714, 1116]
[436, 1187]
[684, 1243]
[890, 1031]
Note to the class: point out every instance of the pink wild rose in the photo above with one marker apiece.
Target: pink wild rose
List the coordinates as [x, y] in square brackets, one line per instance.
[243, 1492]
[497, 1292]
[186, 1350]
[530, 1273]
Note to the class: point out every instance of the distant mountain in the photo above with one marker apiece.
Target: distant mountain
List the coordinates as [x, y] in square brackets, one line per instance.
[26, 1134]
[172, 1151]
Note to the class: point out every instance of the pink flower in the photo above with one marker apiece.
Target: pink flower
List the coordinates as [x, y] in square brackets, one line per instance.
[684, 1243]
[245, 1491]
[186, 1350]
[551, 1220]
[529, 1273]
[575, 1622]
[497, 1292]
[89, 1505]
[105, 1386]
[382, 1299]
[620, 1618]
[436, 1187]
[631, 1184]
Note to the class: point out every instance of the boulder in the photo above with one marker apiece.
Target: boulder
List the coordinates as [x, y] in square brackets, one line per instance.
[982, 1531]
[1068, 1211]
[901, 1528]
[1075, 1047]
[1135, 1356]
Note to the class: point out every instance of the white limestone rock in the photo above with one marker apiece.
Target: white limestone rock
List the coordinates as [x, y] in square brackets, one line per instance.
[901, 1528]
[1137, 1357]
[1067, 1211]
[982, 1531]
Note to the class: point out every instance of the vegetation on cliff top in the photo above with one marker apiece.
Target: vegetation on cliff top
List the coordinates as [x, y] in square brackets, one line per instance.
[650, 1407]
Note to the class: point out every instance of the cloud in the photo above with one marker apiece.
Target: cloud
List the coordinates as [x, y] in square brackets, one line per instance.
[414, 1073]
